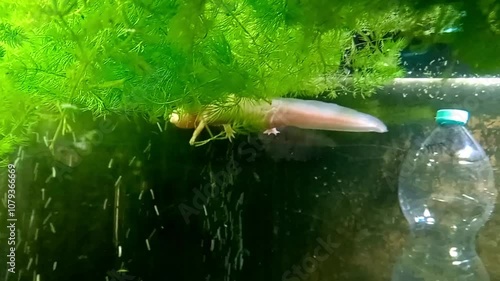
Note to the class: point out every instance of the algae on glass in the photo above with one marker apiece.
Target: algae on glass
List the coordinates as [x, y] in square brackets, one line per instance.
[145, 58]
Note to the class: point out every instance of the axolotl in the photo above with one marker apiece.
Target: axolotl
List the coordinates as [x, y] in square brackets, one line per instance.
[285, 112]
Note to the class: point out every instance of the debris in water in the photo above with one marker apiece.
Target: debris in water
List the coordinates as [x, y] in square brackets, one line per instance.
[118, 180]
[131, 161]
[52, 228]
[152, 233]
[32, 218]
[47, 218]
[47, 203]
[35, 171]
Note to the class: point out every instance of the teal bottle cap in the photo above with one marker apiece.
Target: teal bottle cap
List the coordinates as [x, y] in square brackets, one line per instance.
[452, 117]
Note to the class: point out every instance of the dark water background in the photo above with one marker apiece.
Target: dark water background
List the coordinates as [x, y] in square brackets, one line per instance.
[253, 209]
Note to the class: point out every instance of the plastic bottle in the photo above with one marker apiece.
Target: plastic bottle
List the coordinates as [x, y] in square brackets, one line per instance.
[447, 193]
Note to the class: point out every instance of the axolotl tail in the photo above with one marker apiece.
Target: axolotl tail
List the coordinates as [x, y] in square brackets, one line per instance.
[310, 114]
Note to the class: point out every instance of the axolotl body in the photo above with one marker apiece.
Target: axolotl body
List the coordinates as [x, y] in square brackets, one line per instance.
[285, 112]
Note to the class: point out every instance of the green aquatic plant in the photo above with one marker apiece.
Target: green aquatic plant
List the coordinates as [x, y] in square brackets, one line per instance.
[149, 57]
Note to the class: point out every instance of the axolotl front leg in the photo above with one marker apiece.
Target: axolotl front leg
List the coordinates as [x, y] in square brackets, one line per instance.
[185, 120]
[197, 131]
[228, 132]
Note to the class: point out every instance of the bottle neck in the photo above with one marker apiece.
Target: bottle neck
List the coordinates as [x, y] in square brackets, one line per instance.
[450, 125]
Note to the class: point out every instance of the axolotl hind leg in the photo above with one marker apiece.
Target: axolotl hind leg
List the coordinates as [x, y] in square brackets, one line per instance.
[272, 131]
